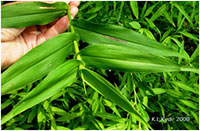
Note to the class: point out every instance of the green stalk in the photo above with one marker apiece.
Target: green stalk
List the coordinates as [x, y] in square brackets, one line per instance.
[76, 48]
[72, 30]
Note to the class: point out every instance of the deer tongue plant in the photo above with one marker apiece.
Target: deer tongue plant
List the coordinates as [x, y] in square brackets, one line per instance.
[133, 53]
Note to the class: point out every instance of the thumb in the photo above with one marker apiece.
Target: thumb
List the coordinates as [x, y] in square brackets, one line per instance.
[8, 34]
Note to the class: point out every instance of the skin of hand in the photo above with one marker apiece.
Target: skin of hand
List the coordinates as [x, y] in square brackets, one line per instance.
[16, 42]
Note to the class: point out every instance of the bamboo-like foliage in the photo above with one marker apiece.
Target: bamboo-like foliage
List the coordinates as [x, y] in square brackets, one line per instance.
[34, 13]
[111, 48]
[43, 58]
[64, 75]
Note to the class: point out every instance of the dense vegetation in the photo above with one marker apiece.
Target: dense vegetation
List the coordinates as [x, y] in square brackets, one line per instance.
[173, 96]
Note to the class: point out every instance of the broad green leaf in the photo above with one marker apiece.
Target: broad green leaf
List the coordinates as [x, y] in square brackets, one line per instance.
[105, 88]
[31, 13]
[124, 59]
[38, 62]
[61, 77]
[182, 10]
[135, 25]
[158, 13]
[134, 7]
[117, 35]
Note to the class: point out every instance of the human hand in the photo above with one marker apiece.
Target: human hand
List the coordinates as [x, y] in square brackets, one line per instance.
[16, 42]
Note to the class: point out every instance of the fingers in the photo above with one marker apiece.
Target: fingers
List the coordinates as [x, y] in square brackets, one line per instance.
[51, 1]
[73, 10]
[8, 34]
[30, 36]
[11, 51]
[74, 3]
[60, 27]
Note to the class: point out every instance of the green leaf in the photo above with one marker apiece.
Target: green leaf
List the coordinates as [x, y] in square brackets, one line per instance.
[109, 116]
[189, 35]
[157, 91]
[58, 111]
[184, 86]
[135, 25]
[169, 18]
[31, 13]
[105, 88]
[134, 7]
[38, 62]
[158, 13]
[148, 33]
[182, 108]
[61, 77]
[195, 54]
[125, 59]
[150, 9]
[117, 35]
[189, 104]
[68, 116]
[195, 115]
[6, 104]
[182, 10]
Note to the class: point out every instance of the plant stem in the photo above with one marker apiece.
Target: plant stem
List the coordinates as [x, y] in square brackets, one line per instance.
[76, 48]
[72, 30]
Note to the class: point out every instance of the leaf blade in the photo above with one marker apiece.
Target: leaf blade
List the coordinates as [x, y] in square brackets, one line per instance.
[31, 13]
[58, 79]
[105, 88]
[51, 55]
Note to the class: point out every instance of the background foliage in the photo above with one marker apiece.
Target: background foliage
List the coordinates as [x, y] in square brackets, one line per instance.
[167, 95]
